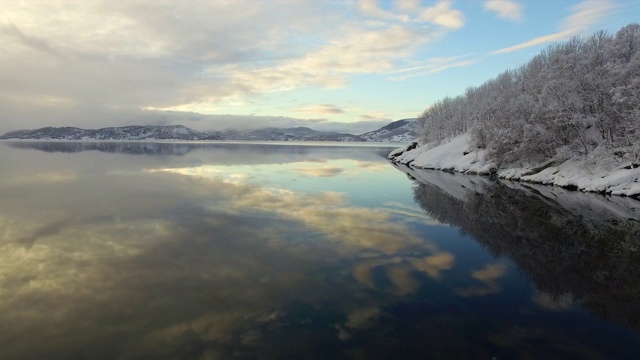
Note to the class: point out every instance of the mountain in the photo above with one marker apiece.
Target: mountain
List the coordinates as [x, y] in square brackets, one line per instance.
[398, 131]
[149, 132]
[289, 134]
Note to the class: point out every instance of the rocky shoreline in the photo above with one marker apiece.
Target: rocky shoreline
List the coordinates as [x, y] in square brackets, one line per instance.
[602, 175]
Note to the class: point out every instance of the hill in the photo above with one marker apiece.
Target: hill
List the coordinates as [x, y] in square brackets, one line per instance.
[398, 131]
[148, 132]
[288, 134]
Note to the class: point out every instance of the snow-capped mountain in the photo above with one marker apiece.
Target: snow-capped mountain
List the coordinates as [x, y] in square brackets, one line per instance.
[398, 131]
[289, 134]
[149, 132]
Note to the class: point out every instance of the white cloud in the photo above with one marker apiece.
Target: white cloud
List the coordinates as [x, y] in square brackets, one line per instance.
[442, 14]
[588, 13]
[355, 49]
[506, 9]
[131, 55]
[91, 58]
[359, 51]
[434, 65]
[375, 115]
[584, 15]
[538, 41]
[324, 109]
[372, 8]
[408, 6]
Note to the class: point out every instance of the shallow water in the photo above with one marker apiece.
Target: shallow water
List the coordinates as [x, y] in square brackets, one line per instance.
[202, 251]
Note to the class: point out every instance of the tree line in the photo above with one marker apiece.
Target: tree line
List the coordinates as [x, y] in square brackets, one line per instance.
[576, 98]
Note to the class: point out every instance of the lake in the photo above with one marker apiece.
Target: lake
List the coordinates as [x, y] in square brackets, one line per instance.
[280, 251]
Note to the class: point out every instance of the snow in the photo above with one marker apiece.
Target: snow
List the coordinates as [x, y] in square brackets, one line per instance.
[455, 185]
[590, 175]
[590, 206]
[451, 156]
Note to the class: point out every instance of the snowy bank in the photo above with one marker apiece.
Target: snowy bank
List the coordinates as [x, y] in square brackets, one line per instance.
[603, 175]
[590, 206]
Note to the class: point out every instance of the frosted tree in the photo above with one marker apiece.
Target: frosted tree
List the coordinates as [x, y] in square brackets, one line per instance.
[572, 99]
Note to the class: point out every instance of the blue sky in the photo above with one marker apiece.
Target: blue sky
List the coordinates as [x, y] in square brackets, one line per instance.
[343, 65]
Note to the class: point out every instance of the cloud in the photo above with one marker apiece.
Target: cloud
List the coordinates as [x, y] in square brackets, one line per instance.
[375, 115]
[433, 66]
[111, 55]
[28, 41]
[409, 6]
[101, 61]
[356, 51]
[442, 14]
[584, 15]
[324, 109]
[588, 13]
[506, 9]
[538, 41]
[372, 8]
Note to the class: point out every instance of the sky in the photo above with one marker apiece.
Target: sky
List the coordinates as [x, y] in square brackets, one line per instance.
[342, 65]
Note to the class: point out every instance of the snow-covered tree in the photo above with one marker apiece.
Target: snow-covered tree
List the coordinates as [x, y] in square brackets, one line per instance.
[569, 100]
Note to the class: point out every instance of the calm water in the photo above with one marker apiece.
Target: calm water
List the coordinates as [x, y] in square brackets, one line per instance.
[216, 251]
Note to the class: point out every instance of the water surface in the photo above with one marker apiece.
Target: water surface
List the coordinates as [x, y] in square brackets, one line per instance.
[207, 251]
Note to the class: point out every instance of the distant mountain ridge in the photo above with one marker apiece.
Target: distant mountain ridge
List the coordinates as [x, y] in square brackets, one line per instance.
[397, 131]
[289, 134]
[135, 132]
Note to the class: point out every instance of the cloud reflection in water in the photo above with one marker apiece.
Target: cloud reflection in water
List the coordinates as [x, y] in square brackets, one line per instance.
[173, 260]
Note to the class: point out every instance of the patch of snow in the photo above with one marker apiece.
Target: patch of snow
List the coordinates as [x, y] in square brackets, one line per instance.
[451, 156]
[583, 174]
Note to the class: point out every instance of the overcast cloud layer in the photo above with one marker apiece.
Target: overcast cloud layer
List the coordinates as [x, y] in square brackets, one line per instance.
[94, 64]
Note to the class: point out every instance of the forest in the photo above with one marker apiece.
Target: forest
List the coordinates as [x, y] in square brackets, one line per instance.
[577, 98]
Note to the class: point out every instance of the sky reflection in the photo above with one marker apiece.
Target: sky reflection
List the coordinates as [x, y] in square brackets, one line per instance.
[107, 255]
[174, 257]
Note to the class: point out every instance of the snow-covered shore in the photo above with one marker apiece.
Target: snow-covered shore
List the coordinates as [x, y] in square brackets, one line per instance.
[603, 175]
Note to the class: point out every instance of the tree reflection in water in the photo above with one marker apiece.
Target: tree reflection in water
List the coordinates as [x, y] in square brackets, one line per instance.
[583, 247]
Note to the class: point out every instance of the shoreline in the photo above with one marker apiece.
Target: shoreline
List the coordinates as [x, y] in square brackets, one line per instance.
[606, 176]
